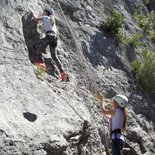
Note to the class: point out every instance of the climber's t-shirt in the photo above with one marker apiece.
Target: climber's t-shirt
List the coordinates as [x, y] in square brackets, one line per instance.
[48, 24]
[117, 123]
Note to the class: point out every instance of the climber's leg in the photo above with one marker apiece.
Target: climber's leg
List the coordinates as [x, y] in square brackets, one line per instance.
[39, 48]
[53, 50]
[117, 145]
[41, 45]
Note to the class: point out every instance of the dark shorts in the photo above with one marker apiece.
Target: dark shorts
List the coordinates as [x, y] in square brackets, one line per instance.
[41, 46]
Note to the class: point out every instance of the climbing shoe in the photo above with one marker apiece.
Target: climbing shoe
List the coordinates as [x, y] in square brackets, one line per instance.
[40, 65]
[64, 76]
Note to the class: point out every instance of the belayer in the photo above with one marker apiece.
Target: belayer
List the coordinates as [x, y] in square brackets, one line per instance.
[118, 121]
[50, 39]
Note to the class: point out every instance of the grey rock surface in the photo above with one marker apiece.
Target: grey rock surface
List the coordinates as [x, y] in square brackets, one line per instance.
[49, 117]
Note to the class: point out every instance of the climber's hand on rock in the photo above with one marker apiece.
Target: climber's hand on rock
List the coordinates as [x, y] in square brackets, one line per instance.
[33, 16]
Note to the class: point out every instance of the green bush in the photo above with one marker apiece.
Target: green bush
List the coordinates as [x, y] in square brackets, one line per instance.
[146, 22]
[152, 35]
[136, 67]
[145, 70]
[134, 40]
[146, 2]
[115, 25]
[114, 22]
[125, 38]
[122, 36]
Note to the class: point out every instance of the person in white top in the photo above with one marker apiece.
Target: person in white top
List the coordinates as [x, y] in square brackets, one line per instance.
[50, 39]
[118, 121]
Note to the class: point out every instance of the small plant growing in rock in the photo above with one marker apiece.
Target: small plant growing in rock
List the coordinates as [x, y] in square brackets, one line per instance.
[152, 35]
[134, 40]
[40, 72]
[136, 67]
[115, 26]
[146, 2]
[146, 22]
[114, 22]
[144, 70]
[122, 36]
[125, 38]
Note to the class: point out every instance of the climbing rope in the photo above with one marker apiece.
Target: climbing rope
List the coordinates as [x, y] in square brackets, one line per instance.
[91, 78]
[80, 55]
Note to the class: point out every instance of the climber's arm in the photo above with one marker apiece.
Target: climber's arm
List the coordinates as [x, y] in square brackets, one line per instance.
[103, 110]
[106, 112]
[36, 18]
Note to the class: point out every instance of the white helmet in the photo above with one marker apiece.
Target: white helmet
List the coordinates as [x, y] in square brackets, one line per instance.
[121, 100]
[50, 10]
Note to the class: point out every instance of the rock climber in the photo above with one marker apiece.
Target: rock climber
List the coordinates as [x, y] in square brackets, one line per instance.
[117, 115]
[48, 20]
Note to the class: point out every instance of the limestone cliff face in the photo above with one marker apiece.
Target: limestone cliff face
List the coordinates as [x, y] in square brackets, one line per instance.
[49, 117]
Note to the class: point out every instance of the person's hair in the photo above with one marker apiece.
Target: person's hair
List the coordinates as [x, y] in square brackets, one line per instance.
[48, 13]
[124, 127]
[53, 20]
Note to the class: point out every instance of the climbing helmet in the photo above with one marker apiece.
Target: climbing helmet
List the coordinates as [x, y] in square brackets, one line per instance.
[121, 100]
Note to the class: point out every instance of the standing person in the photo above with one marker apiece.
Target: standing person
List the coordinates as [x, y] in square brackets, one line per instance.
[118, 121]
[50, 39]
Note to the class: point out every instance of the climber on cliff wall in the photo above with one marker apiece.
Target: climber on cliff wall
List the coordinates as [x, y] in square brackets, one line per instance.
[50, 39]
[118, 121]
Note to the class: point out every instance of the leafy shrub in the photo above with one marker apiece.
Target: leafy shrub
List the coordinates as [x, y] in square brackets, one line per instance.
[134, 40]
[114, 22]
[145, 70]
[146, 2]
[137, 7]
[125, 38]
[122, 36]
[146, 22]
[152, 35]
[136, 67]
[115, 25]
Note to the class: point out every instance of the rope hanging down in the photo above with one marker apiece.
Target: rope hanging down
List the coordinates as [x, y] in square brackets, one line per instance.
[80, 55]
[91, 78]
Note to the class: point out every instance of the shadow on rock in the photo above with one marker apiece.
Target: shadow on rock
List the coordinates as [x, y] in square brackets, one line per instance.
[105, 51]
[29, 116]
[32, 38]
[30, 34]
